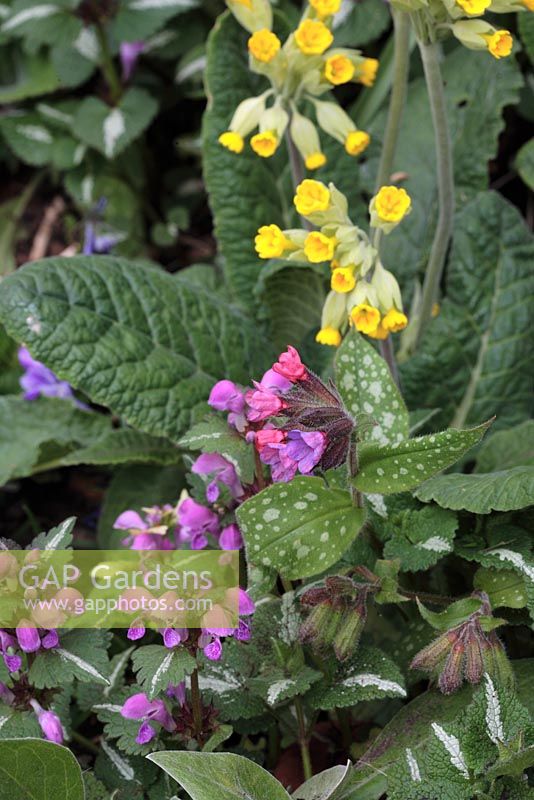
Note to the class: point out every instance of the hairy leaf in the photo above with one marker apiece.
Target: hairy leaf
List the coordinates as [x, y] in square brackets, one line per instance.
[505, 490]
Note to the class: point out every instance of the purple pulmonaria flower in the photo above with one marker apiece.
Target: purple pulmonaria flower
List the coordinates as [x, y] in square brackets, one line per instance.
[223, 471]
[149, 711]
[230, 538]
[272, 380]
[306, 448]
[39, 380]
[196, 521]
[130, 521]
[129, 53]
[49, 722]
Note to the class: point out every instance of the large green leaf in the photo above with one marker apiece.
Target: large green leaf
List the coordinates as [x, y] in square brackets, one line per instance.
[225, 776]
[299, 528]
[367, 387]
[48, 429]
[388, 469]
[31, 769]
[511, 448]
[474, 360]
[505, 490]
[133, 338]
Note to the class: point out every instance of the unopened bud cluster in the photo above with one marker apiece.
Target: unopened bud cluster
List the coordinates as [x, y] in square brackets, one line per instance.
[363, 293]
[300, 71]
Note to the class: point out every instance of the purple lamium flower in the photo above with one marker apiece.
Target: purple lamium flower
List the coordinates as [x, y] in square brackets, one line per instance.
[129, 53]
[177, 692]
[196, 521]
[8, 645]
[28, 639]
[227, 396]
[149, 711]
[230, 538]
[172, 637]
[223, 471]
[49, 722]
[39, 380]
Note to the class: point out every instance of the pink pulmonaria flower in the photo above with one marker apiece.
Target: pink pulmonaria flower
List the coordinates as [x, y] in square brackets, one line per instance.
[230, 538]
[49, 722]
[273, 381]
[149, 711]
[263, 403]
[129, 53]
[289, 452]
[223, 472]
[290, 366]
[196, 522]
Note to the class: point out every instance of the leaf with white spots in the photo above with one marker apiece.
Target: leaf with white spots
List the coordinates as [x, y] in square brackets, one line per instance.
[369, 675]
[365, 383]
[299, 528]
[157, 667]
[387, 469]
[110, 130]
[420, 538]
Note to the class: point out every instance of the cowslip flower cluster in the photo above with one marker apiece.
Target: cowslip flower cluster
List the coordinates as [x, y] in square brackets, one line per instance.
[463, 18]
[466, 651]
[301, 70]
[363, 293]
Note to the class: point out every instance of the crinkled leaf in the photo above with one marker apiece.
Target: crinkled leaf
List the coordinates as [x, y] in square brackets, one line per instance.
[420, 538]
[300, 528]
[157, 667]
[387, 469]
[367, 387]
[125, 446]
[132, 337]
[513, 447]
[481, 493]
[227, 683]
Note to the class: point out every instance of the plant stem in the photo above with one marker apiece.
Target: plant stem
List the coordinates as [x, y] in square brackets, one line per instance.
[303, 740]
[107, 66]
[196, 705]
[260, 478]
[430, 56]
[401, 62]
[353, 466]
[297, 170]
[438, 599]
[85, 743]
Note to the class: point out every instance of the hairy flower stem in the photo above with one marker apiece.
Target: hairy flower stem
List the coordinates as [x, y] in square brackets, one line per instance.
[304, 743]
[430, 55]
[297, 171]
[107, 66]
[401, 62]
[397, 100]
[353, 466]
[196, 705]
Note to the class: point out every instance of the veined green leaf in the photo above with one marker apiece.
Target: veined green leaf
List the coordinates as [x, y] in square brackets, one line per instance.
[33, 768]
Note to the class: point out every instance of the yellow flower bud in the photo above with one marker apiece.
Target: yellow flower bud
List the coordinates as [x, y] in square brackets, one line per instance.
[271, 242]
[318, 247]
[365, 318]
[265, 143]
[232, 141]
[436, 308]
[366, 71]
[263, 45]
[311, 196]
[315, 160]
[324, 8]
[329, 336]
[394, 321]
[343, 280]
[356, 142]
[473, 7]
[338, 69]
[499, 43]
[304, 134]
[313, 37]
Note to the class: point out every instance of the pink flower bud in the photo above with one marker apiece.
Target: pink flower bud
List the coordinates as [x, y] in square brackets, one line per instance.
[290, 366]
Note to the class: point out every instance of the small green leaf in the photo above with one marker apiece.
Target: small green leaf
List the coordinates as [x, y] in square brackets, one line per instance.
[216, 436]
[455, 614]
[58, 538]
[525, 163]
[420, 538]
[367, 387]
[222, 733]
[225, 776]
[387, 469]
[388, 572]
[300, 528]
[81, 654]
[32, 768]
[504, 588]
[157, 667]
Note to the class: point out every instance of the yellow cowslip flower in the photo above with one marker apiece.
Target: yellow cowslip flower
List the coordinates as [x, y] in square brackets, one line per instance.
[271, 242]
[338, 69]
[318, 247]
[329, 336]
[315, 160]
[265, 143]
[232, 141]
[313, 37]
[379, 333]
[529, 4]
[343, 280]
[473, 7]
[311, 196]
[394, 321]
[366, 71]
[264, 45]
[365, 318]
[392, 204]
[499, 43]
[356, 142]
[324, 8]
